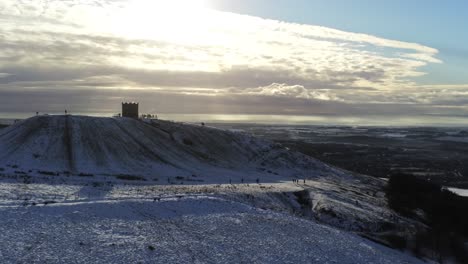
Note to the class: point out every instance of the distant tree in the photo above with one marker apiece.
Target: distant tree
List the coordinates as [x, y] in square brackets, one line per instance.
[444, 212]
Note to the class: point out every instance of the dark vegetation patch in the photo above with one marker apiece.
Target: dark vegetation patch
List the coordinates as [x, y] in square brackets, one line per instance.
[194, 180]
[27, 179]
[187, 141]
[130, 177]
[3, 126]
[392, 240]
[445, 213]
[97, 184]
[395, 240]
[82, 174]
[49, 173]
[303, 198]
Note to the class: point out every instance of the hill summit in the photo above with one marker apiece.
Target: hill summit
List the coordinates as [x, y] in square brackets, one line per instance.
[75, 145]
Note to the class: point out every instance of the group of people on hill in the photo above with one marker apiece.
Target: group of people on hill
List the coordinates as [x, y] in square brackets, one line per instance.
[297, 181]
[242, 181]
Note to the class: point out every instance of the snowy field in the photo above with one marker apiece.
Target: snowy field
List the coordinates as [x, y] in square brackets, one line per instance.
[157, 224]
[103, 190]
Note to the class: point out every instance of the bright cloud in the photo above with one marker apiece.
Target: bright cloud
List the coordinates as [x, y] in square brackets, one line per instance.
[191, 50]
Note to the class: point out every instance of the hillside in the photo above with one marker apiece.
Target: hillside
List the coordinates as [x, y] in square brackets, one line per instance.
[119, 190]
[74, 145]
[196, 229]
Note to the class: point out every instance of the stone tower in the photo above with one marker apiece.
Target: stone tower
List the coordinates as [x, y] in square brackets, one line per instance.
[130, 110]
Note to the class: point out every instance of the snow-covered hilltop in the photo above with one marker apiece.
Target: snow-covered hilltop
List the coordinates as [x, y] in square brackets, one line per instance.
[117, 190]
[154, 149]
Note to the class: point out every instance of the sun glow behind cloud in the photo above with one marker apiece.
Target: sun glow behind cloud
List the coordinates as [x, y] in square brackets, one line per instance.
[184, 48]
[176, 21]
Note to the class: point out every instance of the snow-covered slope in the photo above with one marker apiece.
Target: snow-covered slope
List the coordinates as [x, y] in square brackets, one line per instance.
[112, 146]
[173, 229]
[50, 148]
[116, 190]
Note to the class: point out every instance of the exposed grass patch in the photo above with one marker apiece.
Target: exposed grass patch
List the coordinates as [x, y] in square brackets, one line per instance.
[49, 173]
[82, 174]
[187, 141]
[130, 177]
[194, 180]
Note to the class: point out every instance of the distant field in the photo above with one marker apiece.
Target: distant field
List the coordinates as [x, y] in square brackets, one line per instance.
[438, 154]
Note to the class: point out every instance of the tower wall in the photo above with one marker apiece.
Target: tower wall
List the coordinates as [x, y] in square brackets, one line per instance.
[130, 110]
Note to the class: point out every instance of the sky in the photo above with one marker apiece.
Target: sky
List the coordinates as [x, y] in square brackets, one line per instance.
[305, 58]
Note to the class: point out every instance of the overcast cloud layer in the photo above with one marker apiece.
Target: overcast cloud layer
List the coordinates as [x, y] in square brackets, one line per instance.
[90, 55]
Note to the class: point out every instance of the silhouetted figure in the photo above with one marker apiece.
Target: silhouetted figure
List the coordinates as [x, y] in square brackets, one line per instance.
[65, 111]
[230, 182]
[242, 180]
[258, 180]
[304, 181]
[37, 113]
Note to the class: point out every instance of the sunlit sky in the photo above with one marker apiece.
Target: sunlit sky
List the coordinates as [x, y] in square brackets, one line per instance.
[244, 57]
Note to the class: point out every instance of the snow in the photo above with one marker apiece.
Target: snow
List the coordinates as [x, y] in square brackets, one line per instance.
[460, 192]
[116, 190]
[73, 145]
[180, 228]
[394, 135]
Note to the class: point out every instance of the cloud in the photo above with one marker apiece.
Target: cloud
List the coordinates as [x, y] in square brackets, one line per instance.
[87, 48]
[107, 101]
[4, 75]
